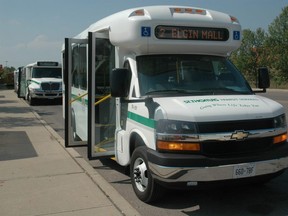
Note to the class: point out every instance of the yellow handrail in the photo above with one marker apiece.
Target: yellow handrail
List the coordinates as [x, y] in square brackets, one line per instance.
[78, 97]
[103, 99]
[96, 103]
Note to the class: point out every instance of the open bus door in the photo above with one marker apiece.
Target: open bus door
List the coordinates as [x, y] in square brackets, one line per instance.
[101, 107]
[21, 91]
[70, 61]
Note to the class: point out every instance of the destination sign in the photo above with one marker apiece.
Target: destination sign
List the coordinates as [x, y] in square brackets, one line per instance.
[47, 63]
[191, 33]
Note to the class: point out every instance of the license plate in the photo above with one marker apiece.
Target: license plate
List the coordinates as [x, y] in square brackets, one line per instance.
[244, 170]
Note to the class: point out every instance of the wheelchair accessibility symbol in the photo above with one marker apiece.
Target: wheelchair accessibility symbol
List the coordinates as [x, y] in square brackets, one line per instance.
[236, 35]
[145, 31]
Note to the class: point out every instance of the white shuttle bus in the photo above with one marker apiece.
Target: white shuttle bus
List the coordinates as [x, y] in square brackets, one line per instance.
[153, 87]
[40, 80]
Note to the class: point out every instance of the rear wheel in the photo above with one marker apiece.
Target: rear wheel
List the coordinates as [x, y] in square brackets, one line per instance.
[143, 183]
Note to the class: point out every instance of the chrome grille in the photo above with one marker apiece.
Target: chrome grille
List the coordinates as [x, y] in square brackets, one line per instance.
[214, 148]
[230, 126]
[219, 148]
[50, 86]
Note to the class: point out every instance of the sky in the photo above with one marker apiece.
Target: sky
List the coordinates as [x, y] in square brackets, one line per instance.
[34, 30]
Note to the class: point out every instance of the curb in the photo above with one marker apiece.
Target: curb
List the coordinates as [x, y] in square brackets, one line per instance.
[112, 194]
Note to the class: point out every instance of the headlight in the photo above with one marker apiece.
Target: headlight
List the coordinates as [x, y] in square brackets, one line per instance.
[280, 121]
[34, 89]
[172, 136]
[176, 127]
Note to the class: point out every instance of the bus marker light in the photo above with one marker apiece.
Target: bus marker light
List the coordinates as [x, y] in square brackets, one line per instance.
[139, 12]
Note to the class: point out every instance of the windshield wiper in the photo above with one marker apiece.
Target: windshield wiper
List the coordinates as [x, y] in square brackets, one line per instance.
[226, 90]
[180, 92]
[168, 91]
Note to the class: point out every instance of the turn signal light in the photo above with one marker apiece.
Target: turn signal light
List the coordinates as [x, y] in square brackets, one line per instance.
[280, 138]
[177, 146]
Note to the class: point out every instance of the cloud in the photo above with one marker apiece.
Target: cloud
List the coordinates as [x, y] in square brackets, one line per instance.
[40, 42]
[40, 47]
[13, 22]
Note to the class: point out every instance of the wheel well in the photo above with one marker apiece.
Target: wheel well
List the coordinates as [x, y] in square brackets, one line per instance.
[135, 141]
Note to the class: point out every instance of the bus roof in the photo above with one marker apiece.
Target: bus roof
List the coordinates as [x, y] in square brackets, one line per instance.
[170, 29]
[44, 64]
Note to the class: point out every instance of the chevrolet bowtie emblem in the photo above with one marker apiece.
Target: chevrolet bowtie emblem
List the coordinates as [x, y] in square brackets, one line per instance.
[239, 135]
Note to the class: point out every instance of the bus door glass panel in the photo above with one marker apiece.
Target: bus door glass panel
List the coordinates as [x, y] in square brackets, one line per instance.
[21, 83]
[75, 80]
[79, 113]
[104, 110]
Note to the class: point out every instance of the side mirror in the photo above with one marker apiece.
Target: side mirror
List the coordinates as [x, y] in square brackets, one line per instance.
[263, 78]
[120, 82]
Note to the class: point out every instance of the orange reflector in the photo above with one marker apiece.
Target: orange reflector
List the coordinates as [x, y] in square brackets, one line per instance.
[177, 10]
[188, 10]
[138, 13]
[280, 138]
[199, 11]
[177, 146]
[234, 19]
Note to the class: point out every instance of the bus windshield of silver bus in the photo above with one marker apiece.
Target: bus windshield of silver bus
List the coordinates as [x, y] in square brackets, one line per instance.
[164, 75]
[46, 73]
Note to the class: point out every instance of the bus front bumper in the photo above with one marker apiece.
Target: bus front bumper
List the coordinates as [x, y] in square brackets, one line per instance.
[201, 169]
[46, 94]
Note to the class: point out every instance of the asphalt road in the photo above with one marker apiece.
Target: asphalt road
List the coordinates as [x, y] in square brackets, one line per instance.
[269, 199]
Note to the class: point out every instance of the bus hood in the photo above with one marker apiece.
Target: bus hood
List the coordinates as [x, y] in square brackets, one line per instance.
[46, 79]
[217, 108]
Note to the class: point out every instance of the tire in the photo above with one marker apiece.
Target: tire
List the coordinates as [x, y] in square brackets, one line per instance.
[144, 186]
[32, 101]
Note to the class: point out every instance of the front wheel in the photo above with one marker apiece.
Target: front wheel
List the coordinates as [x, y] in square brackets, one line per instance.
[31, 101]
[143, 183]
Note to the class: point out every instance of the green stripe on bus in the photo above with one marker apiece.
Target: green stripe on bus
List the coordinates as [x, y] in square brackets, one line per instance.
[142, 120]
[35, 82]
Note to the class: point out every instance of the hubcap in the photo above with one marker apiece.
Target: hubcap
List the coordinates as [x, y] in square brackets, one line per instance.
[140, 174]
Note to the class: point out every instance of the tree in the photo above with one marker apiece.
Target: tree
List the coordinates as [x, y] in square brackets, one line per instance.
[252, 53]
[7, 75]
[278, 43]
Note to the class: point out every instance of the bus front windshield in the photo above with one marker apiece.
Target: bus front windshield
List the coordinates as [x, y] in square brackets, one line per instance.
[164, 75]
[46, 73]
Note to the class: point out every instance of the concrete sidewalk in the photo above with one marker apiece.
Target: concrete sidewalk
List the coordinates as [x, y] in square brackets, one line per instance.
[38, 176]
